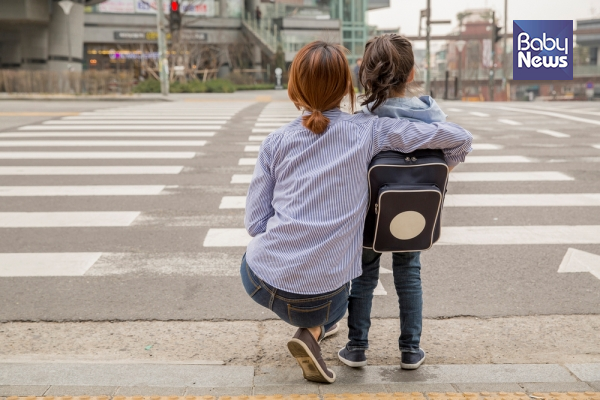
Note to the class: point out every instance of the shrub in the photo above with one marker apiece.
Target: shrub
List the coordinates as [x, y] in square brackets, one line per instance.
[220, 86]
[258, 86]
[147, 86]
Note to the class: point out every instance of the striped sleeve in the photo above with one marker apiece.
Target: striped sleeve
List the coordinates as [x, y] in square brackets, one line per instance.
[406, 136]
[259, 200]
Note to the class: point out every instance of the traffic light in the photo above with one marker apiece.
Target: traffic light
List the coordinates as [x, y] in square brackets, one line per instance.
[175, 18]
[496, 33]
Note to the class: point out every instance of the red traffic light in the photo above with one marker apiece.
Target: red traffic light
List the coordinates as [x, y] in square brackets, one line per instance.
[174, 6]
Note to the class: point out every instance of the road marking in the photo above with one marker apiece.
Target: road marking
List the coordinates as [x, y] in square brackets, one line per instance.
[101, 143]
[596, 146]
[252, 149]
[523, 200]
[233, 202]
[526, 176]
[247, 161]
[85, 128]
[455, 109]
[95, 170]
[241, 178]
[262, 130]
[553, 133]
[486, 146]
[226, 237]
[379, 290]
[110, 121]
[484, 200]
[469, 159]
[36, 114]
[580, 261]
[106, 134]
[479, 114]
[509, 121]
[84, 155]
[46, 264]
[458, 235]
[520, 235]
[551, 114]
[96, 190]
[497, 159]
[66, 219]
[268, 124]
[169, 118]
[280, 120]
[256, 138]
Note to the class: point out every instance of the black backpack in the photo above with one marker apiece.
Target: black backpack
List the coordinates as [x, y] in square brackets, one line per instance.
[406, 196]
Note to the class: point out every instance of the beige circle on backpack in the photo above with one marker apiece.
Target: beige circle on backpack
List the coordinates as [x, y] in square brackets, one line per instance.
[407, 225]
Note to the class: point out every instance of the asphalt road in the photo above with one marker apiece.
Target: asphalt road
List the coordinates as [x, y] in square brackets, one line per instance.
[102, 253]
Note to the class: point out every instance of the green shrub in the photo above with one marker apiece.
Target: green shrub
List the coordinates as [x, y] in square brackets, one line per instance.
[147, 86]
[257, 86]
[220, 86]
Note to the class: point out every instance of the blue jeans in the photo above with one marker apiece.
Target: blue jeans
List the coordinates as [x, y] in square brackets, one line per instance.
[301, 310]
[407, 279]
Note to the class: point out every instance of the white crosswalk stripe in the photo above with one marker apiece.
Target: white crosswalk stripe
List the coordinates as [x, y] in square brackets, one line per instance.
[66, 219]
[104, 155]
[105, 134]
[136, 127]
[97, 190]
[102, 143]
[95, 170]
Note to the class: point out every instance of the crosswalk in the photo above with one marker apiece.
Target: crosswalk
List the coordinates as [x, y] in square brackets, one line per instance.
[137, 152]
[131, 132]
[495, 155]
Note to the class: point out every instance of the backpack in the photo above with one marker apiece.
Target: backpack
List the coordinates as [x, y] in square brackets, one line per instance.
[406, 196]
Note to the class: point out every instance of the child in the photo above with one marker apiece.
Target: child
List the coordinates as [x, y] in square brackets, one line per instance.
[388, 67]
[307, 201]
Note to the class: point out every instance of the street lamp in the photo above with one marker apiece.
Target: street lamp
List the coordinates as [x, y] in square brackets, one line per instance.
[66, 6]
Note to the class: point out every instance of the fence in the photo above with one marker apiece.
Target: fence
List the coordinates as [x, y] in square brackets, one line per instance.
[66, 82]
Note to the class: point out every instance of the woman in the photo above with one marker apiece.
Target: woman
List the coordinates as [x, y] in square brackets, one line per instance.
[308, 197]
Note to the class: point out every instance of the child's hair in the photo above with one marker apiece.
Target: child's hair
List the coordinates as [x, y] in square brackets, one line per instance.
[386, 66]
[319, 79]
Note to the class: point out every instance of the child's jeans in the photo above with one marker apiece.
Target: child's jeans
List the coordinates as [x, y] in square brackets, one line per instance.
[407, 279]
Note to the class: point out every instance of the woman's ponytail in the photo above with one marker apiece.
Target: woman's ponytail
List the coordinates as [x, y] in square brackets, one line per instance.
[315, 122]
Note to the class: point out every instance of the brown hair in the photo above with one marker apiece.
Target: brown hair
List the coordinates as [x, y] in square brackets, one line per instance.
[386, 66]
[319, 79]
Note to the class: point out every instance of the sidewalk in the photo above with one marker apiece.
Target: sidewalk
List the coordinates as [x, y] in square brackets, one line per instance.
[148, 379]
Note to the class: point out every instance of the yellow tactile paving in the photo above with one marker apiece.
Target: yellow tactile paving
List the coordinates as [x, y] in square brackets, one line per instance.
[349, 396]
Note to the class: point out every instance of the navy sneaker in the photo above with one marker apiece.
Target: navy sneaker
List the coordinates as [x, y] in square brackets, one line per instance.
[332, 331]
[412, 360]
[354, 358]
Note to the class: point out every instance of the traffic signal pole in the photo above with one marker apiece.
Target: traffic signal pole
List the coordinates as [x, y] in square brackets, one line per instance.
[428, 49]
[163, 62]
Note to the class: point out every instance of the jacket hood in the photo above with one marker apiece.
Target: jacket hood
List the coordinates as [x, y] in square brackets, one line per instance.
[423, 109]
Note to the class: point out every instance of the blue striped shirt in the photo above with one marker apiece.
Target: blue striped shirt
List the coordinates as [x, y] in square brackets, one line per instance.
[308, 197]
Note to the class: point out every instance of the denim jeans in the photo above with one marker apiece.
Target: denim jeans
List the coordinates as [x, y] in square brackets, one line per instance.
[301, 310]
[407, 279]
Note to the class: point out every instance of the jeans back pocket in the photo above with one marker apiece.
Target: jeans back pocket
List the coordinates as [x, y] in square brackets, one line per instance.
[309, 316]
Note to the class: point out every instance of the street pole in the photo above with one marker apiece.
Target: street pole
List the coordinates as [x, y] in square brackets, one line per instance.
[427, 49]
[493, 69]
[505, 51]
[163, 62]
[66, 5]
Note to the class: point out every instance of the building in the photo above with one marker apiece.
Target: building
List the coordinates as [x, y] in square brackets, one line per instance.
[216, 36]
[38, 34]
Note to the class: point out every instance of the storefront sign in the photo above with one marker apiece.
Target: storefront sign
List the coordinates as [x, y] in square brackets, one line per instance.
[117, 7]
[153, 36]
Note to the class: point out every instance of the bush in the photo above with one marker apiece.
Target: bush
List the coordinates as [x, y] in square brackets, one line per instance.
[220, 86]
[147, 86]
[194, 86]
[258, 86]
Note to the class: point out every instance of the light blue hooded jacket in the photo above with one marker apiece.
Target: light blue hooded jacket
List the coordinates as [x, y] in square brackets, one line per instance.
[415, 109]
